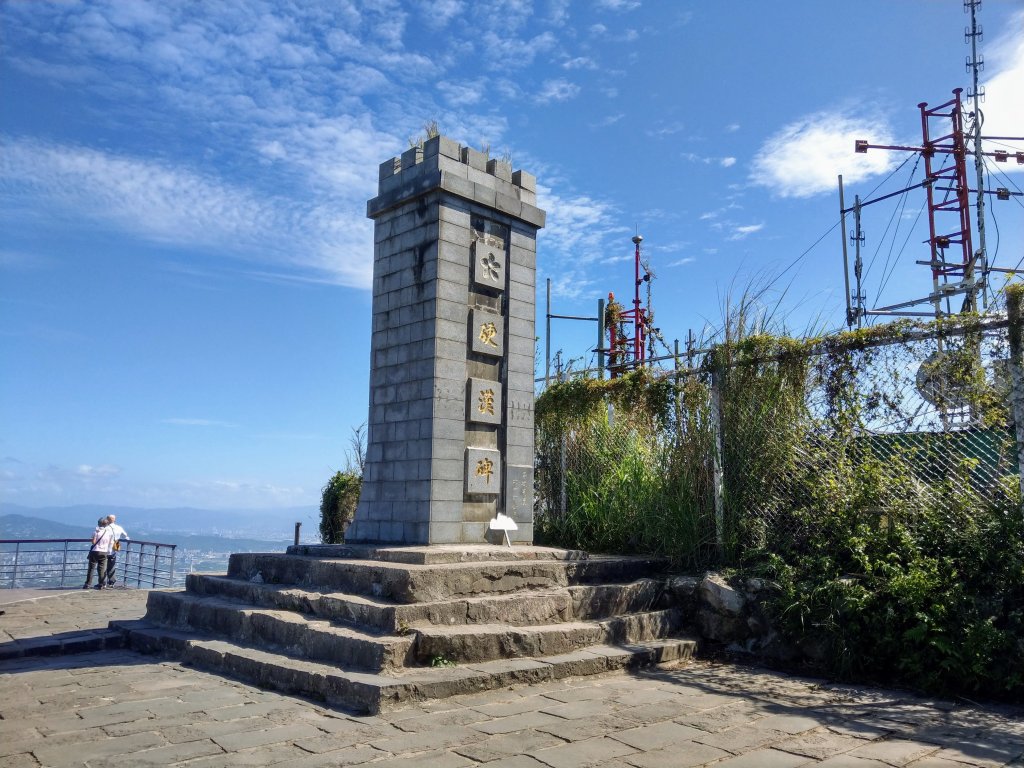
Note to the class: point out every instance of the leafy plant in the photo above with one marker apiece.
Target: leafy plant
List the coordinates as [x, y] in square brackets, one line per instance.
[338, 502]
[891, 523]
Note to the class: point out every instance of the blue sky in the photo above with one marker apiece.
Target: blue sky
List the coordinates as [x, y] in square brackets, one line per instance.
[185, 258]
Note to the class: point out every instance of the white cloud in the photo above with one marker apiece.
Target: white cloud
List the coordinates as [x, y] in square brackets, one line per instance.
[578, 226]
[580, 62]
[557, 90]
[618, 5]
[438, 13]
[165, 204]
[682, 262]
[107, 484]
[744, 231]
[803, 158]
[604, 122]
[732, 127]
[509, 52]
[665, 129]
[101, 471]
[558, 12]
[725, 162]
[1003, 108]
[462, 94]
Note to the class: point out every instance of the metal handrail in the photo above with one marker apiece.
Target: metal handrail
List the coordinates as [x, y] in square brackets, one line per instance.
[64, 562]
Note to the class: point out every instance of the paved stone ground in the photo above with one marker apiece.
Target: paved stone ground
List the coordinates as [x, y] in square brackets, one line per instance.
[120, 708]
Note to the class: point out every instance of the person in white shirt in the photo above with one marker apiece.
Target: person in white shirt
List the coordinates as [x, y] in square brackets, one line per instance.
[102, 538]
[118, 533]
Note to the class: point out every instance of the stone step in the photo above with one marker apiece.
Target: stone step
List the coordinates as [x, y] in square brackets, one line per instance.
[438, 553]
[516, 609]
[372, 693]
[471, 643]
[411, 583]
[295, 634]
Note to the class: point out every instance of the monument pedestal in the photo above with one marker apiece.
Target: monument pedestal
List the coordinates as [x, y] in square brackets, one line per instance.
[450, 429]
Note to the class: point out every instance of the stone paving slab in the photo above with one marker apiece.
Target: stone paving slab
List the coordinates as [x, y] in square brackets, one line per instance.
[119, 708]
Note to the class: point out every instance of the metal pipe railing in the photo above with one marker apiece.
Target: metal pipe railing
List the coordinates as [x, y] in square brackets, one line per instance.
[63, 563]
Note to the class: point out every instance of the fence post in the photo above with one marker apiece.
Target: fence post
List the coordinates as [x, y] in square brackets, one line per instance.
[718, 479]
[298, 527]
[14, 569]
[1016, 334]
[64, 563]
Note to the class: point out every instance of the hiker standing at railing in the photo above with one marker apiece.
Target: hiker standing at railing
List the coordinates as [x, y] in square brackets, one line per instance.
[119, 533]
[102, 539]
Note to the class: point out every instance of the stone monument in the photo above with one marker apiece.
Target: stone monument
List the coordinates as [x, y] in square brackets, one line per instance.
[450, 430]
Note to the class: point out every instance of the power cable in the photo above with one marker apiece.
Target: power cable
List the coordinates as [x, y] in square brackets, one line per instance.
[885, 277]
[881, 241]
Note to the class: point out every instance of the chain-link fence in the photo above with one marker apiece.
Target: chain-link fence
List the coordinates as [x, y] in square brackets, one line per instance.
[773, 445]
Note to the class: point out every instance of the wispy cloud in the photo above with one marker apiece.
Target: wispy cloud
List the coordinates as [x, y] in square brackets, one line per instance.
[557, 90]
[109, 484]
[745, 230]
[1003, 108]
[618, 5]
[724, 162]
[604, 122]
[579, 62]
[803, 158]
[462, 93]
[665, 129]
[682, 262]
[90, 471]
[438, 13]
[167, 204]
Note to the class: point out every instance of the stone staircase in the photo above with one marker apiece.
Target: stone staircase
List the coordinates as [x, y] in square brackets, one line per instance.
[373, 628]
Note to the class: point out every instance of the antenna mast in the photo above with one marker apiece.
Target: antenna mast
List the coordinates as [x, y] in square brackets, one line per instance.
[975, 64]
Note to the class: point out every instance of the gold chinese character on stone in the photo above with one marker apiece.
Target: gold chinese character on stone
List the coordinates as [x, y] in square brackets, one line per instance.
[486, 402]
[487, 333]
[485, 468]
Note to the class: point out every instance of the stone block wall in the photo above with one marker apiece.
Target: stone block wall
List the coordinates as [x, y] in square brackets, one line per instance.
[450, 430]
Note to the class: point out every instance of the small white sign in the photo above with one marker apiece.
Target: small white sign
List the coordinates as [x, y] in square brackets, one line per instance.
[504, 523]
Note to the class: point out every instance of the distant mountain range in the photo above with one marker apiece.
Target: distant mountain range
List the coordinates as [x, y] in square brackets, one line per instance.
[23, 527]
[263, 524]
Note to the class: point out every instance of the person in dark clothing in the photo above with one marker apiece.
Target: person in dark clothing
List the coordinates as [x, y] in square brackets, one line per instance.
[102, 538]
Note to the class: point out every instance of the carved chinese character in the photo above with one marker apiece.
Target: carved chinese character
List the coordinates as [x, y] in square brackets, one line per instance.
[485, 468]
[486, 402]
[487, 333]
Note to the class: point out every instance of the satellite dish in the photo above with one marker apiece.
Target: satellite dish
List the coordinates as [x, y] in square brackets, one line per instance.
[935, 384]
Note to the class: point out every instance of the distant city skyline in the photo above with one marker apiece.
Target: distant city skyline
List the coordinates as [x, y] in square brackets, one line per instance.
[185, 266]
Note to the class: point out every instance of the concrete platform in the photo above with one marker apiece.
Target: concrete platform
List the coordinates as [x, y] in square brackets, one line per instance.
[120, 708]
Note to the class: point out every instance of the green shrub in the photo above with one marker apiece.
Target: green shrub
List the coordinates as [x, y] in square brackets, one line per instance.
[338, 502]
[897, 544]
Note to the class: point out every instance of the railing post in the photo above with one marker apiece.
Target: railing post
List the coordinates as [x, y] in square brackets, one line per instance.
[14, 570]
[298, 527]
[1016, 335]
[64, 562]
[171, 579]
[718, 472]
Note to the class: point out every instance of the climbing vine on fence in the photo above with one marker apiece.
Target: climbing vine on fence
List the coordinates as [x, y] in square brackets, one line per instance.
[872, 475]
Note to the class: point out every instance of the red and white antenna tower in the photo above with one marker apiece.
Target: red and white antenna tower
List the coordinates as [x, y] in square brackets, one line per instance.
[627, 353]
